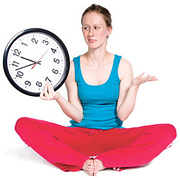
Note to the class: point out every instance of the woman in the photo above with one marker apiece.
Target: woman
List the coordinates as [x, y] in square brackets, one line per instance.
[101, 95]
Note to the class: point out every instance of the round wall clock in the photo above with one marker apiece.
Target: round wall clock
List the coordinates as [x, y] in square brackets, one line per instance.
[33, 57]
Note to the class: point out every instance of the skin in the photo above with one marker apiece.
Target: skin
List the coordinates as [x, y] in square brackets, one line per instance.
[96, 65]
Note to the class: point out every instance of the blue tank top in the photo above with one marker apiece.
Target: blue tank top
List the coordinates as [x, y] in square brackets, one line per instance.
[99, 102]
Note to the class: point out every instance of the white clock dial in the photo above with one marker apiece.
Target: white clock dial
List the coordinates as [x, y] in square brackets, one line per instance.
[34, 57]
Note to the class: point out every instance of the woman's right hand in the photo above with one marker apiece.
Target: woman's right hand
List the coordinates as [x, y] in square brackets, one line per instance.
[69, 109]
[137, 81]
[48, 93]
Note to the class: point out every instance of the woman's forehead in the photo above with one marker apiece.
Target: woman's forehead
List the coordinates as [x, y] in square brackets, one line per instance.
[93, 18]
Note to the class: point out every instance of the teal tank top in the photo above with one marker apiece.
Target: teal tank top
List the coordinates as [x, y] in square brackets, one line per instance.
[99, 102]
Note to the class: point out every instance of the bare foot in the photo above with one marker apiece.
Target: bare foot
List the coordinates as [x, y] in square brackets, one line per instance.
[88, 166]
[98, 166]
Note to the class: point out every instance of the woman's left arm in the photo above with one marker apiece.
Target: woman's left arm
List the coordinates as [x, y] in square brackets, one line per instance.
[128, 89]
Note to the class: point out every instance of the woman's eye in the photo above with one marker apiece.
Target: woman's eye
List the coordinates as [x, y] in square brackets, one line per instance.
[85, 28]
[96, 28]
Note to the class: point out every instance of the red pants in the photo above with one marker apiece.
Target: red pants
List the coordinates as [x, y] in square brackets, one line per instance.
[68, 148]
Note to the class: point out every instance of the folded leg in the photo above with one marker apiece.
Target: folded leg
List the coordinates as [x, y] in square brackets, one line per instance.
[137, 146]
[45, 139]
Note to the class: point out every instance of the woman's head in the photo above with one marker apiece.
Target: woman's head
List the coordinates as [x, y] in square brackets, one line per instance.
[100, 10]
[96, 26]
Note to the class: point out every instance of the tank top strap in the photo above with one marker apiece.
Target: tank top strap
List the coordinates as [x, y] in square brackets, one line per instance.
[114, 72]
[77, 69]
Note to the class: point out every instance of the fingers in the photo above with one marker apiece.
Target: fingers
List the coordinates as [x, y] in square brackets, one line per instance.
[140, 76]
[42, 96]
[48, 92]
[152, 78]
[149, 78]
[50, 88]
[137, 81]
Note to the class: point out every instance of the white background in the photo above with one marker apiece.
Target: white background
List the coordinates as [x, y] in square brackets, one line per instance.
[145, 32]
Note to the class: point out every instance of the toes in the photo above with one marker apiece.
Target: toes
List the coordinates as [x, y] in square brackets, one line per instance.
[91, 162]
[95, 173]
[91, 171]
[91, 168]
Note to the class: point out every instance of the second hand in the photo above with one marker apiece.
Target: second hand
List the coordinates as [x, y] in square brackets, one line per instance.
[39, 59]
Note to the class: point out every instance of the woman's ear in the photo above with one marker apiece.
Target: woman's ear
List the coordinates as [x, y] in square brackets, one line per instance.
[109, 31]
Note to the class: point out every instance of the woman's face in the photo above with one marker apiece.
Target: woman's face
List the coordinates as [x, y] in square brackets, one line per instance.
[95, 30]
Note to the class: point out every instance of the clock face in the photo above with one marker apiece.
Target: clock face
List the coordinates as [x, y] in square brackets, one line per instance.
[34, 57]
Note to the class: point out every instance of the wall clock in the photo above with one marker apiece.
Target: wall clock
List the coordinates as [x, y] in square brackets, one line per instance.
[33, 57]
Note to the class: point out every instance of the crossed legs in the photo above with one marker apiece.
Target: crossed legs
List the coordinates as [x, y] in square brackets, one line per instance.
[69, 148]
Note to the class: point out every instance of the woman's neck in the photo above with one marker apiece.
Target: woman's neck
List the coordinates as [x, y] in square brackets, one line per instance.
[96, 57]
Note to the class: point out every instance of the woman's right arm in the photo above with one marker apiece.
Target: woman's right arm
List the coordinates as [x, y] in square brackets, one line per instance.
[72, 108]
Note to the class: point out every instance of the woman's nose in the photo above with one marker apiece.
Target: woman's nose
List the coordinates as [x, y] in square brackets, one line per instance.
[91, 32]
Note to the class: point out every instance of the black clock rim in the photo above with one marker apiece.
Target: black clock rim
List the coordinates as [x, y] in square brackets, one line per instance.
[40, 30]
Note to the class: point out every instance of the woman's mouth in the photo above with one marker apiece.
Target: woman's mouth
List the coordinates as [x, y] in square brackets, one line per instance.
[92, 40]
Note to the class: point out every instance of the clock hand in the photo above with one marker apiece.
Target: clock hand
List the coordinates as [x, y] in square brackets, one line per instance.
[26, 66]
[29, 59]
[39, 59]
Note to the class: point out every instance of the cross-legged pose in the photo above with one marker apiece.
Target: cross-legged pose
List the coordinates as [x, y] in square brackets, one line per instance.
[101, 95]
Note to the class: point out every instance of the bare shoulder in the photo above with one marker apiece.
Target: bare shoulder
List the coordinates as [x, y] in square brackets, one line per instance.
[125, 68]
[125, 63]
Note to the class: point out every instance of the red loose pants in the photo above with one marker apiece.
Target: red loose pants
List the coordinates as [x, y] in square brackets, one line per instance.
[69, 147]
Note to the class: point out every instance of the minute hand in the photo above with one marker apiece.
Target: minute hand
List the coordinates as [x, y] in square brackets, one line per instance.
[26, 66]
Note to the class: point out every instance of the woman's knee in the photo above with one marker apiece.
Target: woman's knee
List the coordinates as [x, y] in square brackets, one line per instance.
[167, 132]
[170, 131]
[162, 132]
[22, 123]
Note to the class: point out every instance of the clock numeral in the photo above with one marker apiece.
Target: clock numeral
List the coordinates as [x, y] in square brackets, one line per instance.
[15, 64]
[34, 40]
[24, 44]
[39, 84]
[16, 52]
[57, 61]
[19, 74]
[55, 71]
[45, 42]
[47, 78]
[27, 83]
[53, 50]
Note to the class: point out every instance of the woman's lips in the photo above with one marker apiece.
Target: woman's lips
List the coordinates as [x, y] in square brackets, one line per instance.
[92, 40]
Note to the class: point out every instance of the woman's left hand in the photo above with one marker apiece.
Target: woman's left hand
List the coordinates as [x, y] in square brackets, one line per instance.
[48, 93]
[137, 81]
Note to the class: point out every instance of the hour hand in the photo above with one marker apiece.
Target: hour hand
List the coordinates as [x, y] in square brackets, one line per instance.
[30, 60]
